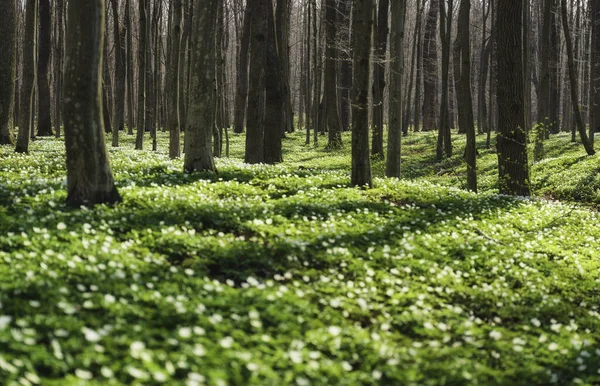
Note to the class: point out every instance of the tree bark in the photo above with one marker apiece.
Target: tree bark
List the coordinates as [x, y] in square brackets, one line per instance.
[430, 69]
[241, 94]
[130, 71]
[29, 74]
[120, 75]
[142, 78]
[444, 145]
[589, 148]
[332, 115]
[382, 31]
[174, 125]
[89, 176]
[203, 98]
[513, 168]
[8, 31]
[345, 59]
[362, 29]
[44, 109]
[275, 103]
[398, 8]
[595, 71]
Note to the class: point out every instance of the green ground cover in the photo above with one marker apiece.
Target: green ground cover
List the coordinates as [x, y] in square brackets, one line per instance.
[276, 275]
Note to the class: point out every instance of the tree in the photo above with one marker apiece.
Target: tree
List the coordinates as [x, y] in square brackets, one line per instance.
[8, 31]
[59, 65]
[29, 71]
[362, 28]
[444, 145]
[130, 70]
[589, 148]
[395, 90]
[465, 102]
[89, 176]
[275, 103]
[203, 99]
[44, 110]
[241, 95]
[330, 96]
[381, 37]
[256, 88]
[430, 68]
[513, 168]
[595, 71]
[142, 78]
[120, 74]
[173, 75]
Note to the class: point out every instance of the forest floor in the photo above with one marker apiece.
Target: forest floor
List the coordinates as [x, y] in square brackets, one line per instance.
[277, 275]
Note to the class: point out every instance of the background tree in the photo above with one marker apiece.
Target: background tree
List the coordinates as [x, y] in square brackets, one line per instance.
[44, 45]
[8, 31]
[595, 71]
[330, 97]
[89, 176]
[444, 145]
[203, 103]
[275, 102]
[381, 37]
[120, 74]
[362, 29]
[29, 73]
[241, 95]
[513, 168]
[173, 75]
[142, 74]
[430, 68]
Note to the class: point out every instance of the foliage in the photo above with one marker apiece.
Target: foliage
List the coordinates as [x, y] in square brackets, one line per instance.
[285, 275]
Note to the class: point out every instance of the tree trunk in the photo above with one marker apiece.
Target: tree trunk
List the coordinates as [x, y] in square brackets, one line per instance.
[589, 148]
[58, 67]
[8, 31]
[130, 71]
[465, 102]
[398, 8]
[430, 69]
[89, 176]
[241, 94]
[256, 95]
[444, 145]
[29, 74]
[345, 58]
[513, 168]
[332, 115]
[419, 77]
[120, 75]
[362, 29]
[282, 25]
[317, 74]
[142, 47]
[413, 63]
[174, 125]
[275, 104]
[44, 109]
[595, 71]
[106, 85]
[203, 98]
[382, 30]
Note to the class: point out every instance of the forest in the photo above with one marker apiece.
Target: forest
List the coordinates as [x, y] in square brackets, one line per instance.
[299, 192]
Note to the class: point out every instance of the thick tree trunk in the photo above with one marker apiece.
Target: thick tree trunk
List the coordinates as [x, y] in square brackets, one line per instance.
[513, 168]
[256, 96]
[362, 28]
[398, 8]
[282, 28]
[174, 124]
[589, 148]
[465, 102]
[203, 98]
[8, 31]
[29, 74]
[44, 109]
[381, 37]
[275, 104]
[89, 177]
[430, 69]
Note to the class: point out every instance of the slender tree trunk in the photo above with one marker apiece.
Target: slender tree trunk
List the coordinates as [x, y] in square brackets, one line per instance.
[307, 64]
[29, 75]
[419, 77]
[120, 75]
[174, 125]
[106, 83]
[44, 109]
[8, 31]
[595, 71]
[282, 25]
[362, 29]
[512, 139]
[275, 103]
[332, 115]
[466, 101]
[58, 67]
[381, 37]
[89, 176]
[345, 58]
[398, 8]
[142, 47]
[589, 148]
[242, 76]
[430, 69]
[317, 74]
[413, 62]
[444, 146]
[130, 71]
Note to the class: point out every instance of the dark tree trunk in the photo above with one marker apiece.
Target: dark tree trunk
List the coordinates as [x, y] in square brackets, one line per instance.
[44, 101]
[419, 77]
[465, 102]
[89, 177]
[513, 168]
[120, 75]
[430, 69]
[241, 94]
[59, 66]
[589, 148]
[8, 31]
[203, 98]
[107, 85]
[543, 108]
[413, 63]
[444, 145]
[595, 71]
[130, 71]
[381, 33]
[362, 28]
[29, 71]
[174, 124]
[142, 47]
[345, 58]
[275, 103]
[332, 115]
[256, 95]
[398, 8]
[317, 74]
[282, 28]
